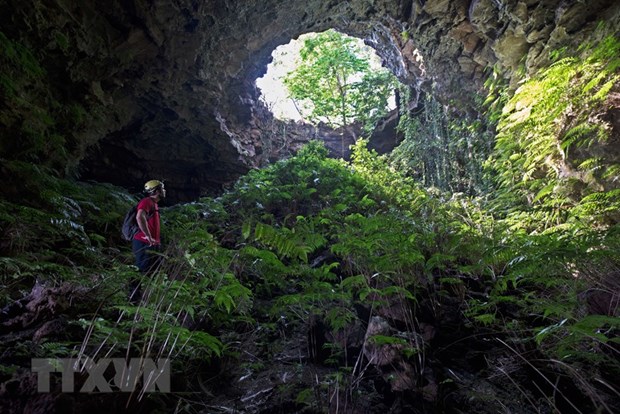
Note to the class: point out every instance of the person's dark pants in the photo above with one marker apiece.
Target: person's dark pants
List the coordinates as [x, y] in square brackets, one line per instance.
[145, 261]
[143, 254]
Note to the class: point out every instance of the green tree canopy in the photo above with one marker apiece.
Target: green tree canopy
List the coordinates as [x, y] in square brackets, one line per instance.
[335, 83]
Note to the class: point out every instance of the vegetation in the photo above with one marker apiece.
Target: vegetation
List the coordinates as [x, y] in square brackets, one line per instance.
[503, 302]
[39, 136]
[338, 245]
[334, 82]
[550, 150]
[441, 148]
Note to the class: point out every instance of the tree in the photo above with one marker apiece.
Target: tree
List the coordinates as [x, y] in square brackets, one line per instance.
[334, 82]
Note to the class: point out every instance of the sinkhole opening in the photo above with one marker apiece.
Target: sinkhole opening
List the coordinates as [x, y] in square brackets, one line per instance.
[328, 78]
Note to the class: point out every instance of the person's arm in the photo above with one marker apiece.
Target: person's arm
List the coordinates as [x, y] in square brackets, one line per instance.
[143, 224]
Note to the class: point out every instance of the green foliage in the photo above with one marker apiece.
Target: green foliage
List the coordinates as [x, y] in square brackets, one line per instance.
[61, 40]
[315, 242]
[59, 231]
[441, 149]
[336, 85]
[297, 242]
[497, 94]
[159, 325]
[543, 157]
[20, 56]
[36, 116]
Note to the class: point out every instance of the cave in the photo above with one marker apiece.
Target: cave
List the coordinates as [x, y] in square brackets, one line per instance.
[100, 96]
[168, 89]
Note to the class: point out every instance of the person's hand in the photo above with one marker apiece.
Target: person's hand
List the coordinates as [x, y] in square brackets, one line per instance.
[150, 240]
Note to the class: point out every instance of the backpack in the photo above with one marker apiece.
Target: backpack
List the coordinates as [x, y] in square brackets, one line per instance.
[130, 225]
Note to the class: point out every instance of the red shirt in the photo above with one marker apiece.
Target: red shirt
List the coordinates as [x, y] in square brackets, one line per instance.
[152, 214]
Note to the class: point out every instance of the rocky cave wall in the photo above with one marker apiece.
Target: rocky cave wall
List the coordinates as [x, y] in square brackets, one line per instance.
[167, 87]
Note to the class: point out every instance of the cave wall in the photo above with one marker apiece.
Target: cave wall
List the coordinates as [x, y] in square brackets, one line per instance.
[159, 89]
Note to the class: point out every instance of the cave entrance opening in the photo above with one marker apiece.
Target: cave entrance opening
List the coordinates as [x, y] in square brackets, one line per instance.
[348, 71]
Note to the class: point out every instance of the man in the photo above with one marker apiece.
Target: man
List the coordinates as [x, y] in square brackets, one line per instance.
[147, 239]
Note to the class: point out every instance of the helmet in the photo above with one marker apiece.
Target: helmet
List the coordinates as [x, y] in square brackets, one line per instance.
[151, 186]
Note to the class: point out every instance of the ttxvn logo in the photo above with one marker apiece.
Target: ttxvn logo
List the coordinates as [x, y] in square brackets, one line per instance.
[127, 374]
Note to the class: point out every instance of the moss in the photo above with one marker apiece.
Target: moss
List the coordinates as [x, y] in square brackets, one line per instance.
[8, 85]
[77, 114]
[20, 57]
[61, 40]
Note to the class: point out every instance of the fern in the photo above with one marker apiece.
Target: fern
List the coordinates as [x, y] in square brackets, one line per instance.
[297, 242]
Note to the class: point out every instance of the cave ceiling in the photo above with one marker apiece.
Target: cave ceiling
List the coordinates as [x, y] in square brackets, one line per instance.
[168, 85]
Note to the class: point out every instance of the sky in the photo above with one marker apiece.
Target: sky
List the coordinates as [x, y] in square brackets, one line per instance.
[273, 91]
[285, 59]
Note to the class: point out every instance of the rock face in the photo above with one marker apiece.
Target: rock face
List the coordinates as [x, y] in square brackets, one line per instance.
[160, 89]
